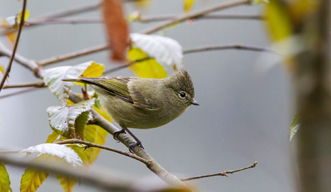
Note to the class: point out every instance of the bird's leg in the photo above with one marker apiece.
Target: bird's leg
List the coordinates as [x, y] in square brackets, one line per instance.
[116, 133]
[135, 138]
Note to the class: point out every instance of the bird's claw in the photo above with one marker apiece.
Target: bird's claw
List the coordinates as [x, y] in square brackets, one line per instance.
[135, 144]
[116, 133]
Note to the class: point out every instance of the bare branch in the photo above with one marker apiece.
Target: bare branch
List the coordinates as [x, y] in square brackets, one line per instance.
[196, 14]
[19, 92]
[107, 181]
[222, 47]
[89, 144]
[72, 55]
[39, 84]
[224, 173]
[15, 46]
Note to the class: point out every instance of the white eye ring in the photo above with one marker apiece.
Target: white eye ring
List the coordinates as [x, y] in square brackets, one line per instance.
[182, 94]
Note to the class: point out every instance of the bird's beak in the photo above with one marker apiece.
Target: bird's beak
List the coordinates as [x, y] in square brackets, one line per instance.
[194, 102]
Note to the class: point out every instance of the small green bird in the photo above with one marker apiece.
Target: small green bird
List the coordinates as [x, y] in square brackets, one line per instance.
[143, 103]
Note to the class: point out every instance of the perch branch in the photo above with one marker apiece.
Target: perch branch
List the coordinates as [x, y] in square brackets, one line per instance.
[222, 47]
[89, 144]
[15, 46]
[18, 92]
[126, 140]
[224, 173]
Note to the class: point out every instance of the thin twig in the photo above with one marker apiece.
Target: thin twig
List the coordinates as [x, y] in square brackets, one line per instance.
[224, 173]
[72, 55]
[39, 84]
[222, 47]
[180, 18]
[19, 92]
[15, 46]
[88, 144]
[142, 19]
[196, 14]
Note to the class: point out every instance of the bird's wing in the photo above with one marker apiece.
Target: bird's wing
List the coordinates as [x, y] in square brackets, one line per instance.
[144, 94]
[117, 86]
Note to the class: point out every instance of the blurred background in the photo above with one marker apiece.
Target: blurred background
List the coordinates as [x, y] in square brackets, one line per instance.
[245, 108]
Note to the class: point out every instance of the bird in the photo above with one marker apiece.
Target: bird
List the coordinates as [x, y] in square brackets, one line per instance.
[143, 103]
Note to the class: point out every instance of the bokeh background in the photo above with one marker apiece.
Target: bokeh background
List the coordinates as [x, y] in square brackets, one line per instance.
[245, 108]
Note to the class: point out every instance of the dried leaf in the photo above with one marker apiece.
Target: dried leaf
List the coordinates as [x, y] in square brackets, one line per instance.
[117, 28]
[4, 179]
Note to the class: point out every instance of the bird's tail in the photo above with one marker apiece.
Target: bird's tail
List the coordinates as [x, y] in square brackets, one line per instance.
[81, 80]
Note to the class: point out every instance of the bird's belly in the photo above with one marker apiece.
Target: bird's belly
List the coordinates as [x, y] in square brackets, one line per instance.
[125, 114]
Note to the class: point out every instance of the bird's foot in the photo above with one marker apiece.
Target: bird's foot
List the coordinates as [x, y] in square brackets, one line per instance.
[135, 144]
[116, 133]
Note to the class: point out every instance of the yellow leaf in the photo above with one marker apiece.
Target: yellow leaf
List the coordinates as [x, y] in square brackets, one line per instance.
[94, 70]
[188, 5]
[12, 37]
[26, 16]
[2, 69]
[67, 183]
[32, 179]
[4, 179]
[149, 68]
[278, 21]
[143, 3]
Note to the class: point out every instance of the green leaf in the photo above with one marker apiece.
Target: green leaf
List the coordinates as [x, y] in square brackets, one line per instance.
[53, 79]
[4, 179]
[32, 179]
[147, 68]
[63, 120]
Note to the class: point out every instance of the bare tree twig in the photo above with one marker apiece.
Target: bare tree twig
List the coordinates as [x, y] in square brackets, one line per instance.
[224, 173]
[89, 144]
[142, 19]
[39, 84]
[15, 46]
[107, 181]
[19, 92]
[72, 55]
[222, 47]
[180, 18]
[196, 14]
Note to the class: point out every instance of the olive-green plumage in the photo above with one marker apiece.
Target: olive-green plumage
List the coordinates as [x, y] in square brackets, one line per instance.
[143, 103]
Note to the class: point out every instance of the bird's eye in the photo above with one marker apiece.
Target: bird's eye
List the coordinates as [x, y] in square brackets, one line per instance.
[182, 94]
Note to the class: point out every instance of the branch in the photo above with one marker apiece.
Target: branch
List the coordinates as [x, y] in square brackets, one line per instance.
[100, 179]
[180, 18]
[72, 55]
[222, 47]
[127, 140]
[142, 19]
[89, 144]
[224, 173]
[19, 92]
[40, 84]
[15, 46]
[196, 14]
